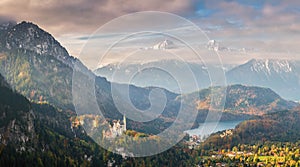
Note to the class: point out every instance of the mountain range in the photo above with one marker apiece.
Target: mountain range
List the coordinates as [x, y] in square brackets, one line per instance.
[282, 76]
[38, 67]
[158, 74]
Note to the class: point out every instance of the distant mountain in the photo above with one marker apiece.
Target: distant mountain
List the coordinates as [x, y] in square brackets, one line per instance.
[282, 76]
[173, 75]
[283, 126]
[255, 100]
[166, 44]
[241, 102]
[162, 45]
[216, 46]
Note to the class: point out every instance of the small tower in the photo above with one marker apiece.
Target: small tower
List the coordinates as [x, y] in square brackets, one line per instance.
[124, 123]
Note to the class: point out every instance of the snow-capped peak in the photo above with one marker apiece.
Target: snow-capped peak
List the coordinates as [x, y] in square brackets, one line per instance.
[166, 44]
[212, 45]
[270, 65]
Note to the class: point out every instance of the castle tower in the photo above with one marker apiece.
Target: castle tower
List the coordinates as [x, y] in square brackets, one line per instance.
[124, 123]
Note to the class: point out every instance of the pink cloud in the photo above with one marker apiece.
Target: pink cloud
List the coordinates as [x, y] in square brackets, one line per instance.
[61, 17]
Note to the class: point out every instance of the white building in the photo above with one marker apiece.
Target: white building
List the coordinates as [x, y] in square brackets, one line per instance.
[116, 130]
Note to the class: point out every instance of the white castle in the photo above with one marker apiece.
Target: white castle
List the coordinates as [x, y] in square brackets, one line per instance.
[116, 130]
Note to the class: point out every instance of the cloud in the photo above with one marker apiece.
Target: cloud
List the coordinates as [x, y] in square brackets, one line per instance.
[60, 17]
[269, 26]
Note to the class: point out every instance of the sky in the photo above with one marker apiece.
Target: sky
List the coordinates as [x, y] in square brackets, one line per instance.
[248, 29]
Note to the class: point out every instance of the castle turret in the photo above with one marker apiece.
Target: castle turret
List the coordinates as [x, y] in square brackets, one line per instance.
[124, 123]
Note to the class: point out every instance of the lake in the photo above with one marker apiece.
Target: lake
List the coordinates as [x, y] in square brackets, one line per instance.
[205, 129]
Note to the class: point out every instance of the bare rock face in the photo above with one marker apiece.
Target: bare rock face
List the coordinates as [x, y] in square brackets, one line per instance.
[30, 37]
